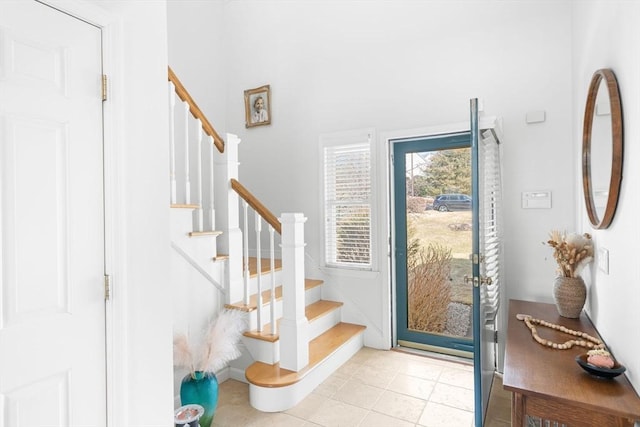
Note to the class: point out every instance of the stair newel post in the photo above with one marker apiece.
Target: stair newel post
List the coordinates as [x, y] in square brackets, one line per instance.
[272, 275]
[172, 141]
[294, 338]
[228, 217]
[212, 216]
[245, 250]
[187, 179]
[259, 271]
[198, 211]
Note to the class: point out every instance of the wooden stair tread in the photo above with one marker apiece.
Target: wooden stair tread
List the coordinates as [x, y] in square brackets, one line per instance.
[265, 375]
[184, 206]
[266, 296]
[265, 265]
[312, 312]
[205, 233]
[220, 257]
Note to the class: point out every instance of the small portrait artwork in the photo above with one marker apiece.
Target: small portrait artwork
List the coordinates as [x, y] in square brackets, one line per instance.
[257, 105]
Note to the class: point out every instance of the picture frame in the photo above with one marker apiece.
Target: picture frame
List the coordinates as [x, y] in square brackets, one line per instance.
[257, 106]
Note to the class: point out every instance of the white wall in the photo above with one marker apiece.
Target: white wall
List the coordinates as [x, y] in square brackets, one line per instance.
[399, 65]
[197, 54]
[606, 35]
[138, 255]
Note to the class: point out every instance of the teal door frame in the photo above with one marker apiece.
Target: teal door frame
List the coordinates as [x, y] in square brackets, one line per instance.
[401, 147]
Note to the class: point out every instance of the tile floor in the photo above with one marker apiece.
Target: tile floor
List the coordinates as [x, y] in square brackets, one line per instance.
[376, 388]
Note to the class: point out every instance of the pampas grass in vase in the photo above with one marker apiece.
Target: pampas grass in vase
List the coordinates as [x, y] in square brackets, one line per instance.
[219, 346]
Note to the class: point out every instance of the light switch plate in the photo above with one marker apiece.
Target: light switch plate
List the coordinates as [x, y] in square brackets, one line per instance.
[603, 260]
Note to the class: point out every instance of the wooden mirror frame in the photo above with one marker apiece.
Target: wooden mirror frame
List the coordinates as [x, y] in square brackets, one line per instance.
[609, 79]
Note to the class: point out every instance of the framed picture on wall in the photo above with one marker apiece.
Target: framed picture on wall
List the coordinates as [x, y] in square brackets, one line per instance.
[257, 106]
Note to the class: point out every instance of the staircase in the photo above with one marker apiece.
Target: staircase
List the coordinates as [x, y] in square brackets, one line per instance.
[295, 339]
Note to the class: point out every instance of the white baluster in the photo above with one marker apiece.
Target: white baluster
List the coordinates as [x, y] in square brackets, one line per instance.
[199, 220]
[172, 141]
[212, 216]
[259, 269]
[187, 181]
[245, 249]
[274, 325]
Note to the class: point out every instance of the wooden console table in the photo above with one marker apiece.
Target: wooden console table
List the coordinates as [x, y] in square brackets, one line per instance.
[548, 385]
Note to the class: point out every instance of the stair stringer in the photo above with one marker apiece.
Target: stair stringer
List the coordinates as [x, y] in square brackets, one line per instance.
[196, 301]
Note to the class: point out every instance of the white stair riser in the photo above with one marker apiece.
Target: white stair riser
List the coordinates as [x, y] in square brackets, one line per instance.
[269, 352]
[313, 295]
[266, 314]
[263, 351]
[276, 399]
[266, 282]
[325, 322]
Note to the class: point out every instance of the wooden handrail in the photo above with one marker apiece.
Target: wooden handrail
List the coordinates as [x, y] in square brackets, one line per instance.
[256, 205]
[196, 111]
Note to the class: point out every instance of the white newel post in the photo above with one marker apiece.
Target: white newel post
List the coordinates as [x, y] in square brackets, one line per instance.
[228, 216]
[294, 337]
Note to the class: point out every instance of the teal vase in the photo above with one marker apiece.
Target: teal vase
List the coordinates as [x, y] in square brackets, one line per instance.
[201, 388]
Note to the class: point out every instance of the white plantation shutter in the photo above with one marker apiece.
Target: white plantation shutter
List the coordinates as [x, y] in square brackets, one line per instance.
[490, 223]
[347, 204]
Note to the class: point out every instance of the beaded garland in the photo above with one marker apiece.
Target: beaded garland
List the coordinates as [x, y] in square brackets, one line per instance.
[587, 340]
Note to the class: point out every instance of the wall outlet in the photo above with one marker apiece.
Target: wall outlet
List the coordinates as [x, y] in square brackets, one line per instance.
[603, 260]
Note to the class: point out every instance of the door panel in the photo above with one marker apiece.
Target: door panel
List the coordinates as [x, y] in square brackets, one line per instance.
[487, 257]
[432, 245]
[52, 314]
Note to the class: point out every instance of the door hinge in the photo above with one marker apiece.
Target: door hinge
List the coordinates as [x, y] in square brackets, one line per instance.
[104, 87]
[107, 287]
[495, 336]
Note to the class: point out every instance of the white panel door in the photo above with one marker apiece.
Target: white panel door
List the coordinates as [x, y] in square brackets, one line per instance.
[52, 309]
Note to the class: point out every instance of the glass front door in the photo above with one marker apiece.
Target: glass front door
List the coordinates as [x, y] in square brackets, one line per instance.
[433, 236]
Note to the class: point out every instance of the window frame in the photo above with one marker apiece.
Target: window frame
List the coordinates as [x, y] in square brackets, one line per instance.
[347, 138]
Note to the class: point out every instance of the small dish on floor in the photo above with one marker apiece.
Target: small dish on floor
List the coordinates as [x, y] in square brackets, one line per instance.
[597, 371]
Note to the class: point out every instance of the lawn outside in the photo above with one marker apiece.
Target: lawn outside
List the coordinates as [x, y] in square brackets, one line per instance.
[453, 230]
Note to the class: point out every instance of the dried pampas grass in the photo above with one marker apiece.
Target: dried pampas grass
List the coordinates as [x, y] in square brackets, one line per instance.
[571, 251]
[220, 344]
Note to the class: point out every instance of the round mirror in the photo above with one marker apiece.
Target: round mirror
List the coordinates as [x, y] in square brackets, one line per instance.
[602, 148]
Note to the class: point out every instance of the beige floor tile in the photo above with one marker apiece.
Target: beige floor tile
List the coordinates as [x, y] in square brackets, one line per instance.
[349, 367]
[375, 376]
[233, 392]
[422, 369]
[334, 413]
[374, 419]
[308, 406]
[387, 359]
[235, 415]
[359, 394]
[400, 406]
[450, 395]
[457, 377]
[412, 386]
[412, 381]
[331, 385]
[436, 415]
[277, 419]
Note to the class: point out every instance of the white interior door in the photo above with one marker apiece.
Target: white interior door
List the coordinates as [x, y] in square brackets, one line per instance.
[52, 309]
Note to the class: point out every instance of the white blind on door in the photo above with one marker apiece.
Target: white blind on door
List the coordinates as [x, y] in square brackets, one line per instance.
[490, 223]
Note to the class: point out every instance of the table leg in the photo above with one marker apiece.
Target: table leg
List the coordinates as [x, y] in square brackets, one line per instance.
[517, 410]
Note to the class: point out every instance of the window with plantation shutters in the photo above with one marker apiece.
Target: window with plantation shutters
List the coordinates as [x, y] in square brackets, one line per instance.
[347, 203]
